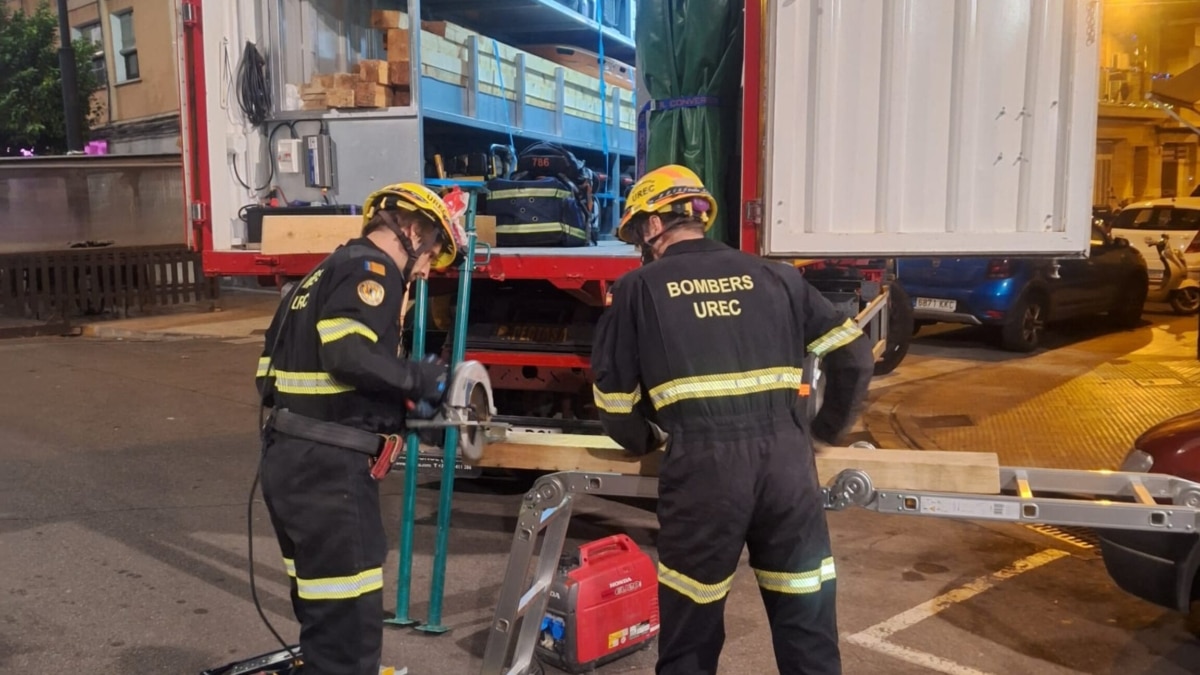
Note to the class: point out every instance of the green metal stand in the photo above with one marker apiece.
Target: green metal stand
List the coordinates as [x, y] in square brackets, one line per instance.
[412, 449]
[450, 447]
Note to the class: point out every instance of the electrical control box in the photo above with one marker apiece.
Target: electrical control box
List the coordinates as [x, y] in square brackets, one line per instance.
[287, 155]
[318, 160]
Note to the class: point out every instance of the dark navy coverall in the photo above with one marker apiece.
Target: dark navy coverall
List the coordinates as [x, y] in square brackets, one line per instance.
[336, 361]
[708, 343]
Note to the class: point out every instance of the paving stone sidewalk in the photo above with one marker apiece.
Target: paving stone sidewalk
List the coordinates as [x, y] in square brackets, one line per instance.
[1078, 404]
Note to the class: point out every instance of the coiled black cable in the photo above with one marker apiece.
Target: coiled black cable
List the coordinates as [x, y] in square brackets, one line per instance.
[254, 91]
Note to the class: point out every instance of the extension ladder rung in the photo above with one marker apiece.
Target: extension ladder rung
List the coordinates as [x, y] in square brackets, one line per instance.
[539, 588]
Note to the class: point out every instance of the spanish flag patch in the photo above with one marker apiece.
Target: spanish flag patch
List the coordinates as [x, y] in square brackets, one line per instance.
[375, 267]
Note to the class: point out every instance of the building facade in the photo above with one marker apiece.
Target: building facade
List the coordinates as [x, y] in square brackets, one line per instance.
[1142, 152]
[136, 62]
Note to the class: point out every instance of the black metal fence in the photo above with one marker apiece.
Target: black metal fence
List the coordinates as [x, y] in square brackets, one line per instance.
[58, 286]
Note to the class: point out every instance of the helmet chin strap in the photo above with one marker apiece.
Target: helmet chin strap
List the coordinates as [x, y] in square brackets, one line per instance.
[648, 248]
[406, 243]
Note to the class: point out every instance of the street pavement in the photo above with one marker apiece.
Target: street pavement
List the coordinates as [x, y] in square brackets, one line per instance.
[125, 467]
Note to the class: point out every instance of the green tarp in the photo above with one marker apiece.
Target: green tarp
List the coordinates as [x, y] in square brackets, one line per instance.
[693, 48]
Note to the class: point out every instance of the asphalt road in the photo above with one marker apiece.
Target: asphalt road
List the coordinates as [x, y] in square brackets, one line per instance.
[124, 475]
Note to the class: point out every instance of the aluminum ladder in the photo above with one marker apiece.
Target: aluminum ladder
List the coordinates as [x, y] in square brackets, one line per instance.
[1081, 498]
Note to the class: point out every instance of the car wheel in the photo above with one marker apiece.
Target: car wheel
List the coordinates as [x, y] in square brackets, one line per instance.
[1127, 312]
[1186, 300]
[900, 330]
[1026, 324]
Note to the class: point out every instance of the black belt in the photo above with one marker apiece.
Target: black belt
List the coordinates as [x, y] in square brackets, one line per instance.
[329, 433]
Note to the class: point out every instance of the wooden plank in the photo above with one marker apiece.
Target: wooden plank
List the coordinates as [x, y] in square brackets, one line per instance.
[307, 234]
[372, 95]
[438, 28]
[399, 72]
[925, 470]
[388, 18]
[587, 62]
[396, 43]
[401, 97]
[372, 70]
[340, 98]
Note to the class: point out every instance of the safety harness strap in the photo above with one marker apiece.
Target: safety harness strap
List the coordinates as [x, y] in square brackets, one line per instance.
[328, 433]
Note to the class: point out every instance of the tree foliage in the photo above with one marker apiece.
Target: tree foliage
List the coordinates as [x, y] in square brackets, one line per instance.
[31, 98]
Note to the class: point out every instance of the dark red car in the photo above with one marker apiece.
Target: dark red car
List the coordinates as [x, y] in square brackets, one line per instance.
[1170, 447]
[1160, 567]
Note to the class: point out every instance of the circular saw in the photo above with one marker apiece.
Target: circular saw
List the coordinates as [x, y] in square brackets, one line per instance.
[468, 407]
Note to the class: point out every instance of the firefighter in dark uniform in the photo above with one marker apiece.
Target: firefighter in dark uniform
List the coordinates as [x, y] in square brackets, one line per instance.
[701, 354]
[332, 373]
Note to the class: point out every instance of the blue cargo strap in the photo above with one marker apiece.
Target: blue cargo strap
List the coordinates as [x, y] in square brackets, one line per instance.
[662, 105]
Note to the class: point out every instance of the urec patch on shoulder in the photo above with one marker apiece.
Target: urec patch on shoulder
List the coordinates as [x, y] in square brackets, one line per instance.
[375, 267]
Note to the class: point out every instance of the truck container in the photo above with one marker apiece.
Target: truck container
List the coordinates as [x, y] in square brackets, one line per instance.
[868, 131]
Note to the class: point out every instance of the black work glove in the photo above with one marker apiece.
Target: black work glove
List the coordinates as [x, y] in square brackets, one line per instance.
[432, 377]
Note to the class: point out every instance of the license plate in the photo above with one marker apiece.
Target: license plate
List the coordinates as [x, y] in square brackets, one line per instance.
[937, 304]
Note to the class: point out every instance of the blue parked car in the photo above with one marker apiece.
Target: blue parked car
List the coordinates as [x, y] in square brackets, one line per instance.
[1017, 297]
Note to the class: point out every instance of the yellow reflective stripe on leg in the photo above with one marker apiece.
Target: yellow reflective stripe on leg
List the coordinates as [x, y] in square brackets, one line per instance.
[290, 566]
[697, 592]
[340, 588]
[838, 337]
[336, 329]
[796, 583]
[264, 366]
[617, 402]
[726, 384]
[308, 383]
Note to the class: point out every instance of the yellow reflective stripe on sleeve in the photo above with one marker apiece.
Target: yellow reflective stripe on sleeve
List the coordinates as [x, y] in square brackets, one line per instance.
[308, 383]
[541, 228]
[797, 583]
[616, 403]
[290, 566]
[697, 592]
[336, 329]
[264, 365]
[838, 337]
[525, 193]
[725, 384]
[340, 588]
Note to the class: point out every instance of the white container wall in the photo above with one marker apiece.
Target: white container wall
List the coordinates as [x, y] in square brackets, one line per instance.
[930, 127]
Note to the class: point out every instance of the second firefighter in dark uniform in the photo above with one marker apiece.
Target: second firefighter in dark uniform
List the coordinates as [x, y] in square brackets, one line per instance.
[338, 389]
[701, 353]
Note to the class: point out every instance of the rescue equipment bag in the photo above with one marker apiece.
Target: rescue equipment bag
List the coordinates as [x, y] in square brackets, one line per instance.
[538, 212]
[550, 160]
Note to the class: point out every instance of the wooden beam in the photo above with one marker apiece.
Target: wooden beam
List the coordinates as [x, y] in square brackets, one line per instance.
[307, 234]
[924, 470]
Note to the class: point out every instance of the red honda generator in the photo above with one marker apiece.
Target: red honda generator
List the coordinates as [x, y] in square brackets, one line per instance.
[603, 606]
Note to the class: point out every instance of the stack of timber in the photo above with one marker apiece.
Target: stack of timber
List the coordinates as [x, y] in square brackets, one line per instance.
[616, 73]
[446, 57]
[367, 87]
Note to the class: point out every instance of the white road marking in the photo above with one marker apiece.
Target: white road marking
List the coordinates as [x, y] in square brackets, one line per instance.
[876, 638]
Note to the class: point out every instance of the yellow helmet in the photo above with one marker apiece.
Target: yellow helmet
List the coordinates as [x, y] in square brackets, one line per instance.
[420, 199]
[667, 189]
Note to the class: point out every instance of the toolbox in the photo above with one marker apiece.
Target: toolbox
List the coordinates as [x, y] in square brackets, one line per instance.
[603, 605]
